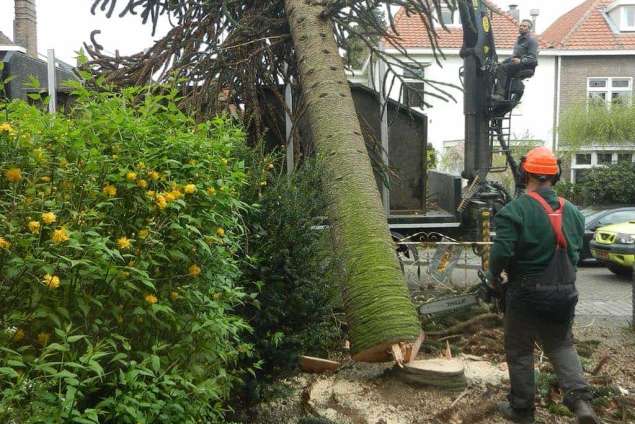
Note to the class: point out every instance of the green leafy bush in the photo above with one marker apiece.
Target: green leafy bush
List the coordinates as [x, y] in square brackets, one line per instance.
[293, 268]
[118, 240]
[608, 185]
[596, 124]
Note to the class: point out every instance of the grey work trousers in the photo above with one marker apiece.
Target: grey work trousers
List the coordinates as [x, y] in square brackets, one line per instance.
[521, 331]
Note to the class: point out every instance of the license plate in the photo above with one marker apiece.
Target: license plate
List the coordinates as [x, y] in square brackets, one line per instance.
[601, 254]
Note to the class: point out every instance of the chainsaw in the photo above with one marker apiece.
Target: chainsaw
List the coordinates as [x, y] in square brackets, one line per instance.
[486, 292]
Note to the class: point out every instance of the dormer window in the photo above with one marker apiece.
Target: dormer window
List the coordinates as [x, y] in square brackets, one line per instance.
[622, 13]
[450, 17]
[628, 18]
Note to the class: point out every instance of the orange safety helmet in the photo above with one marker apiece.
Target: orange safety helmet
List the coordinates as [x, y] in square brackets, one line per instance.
[541, 161]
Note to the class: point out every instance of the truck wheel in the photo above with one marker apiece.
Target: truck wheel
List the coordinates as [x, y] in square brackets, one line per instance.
[620, 270]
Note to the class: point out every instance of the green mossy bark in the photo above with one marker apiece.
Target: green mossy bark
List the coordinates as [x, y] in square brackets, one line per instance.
[376, 298]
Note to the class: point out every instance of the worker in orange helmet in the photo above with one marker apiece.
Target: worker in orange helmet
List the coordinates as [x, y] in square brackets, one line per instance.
[537, 244]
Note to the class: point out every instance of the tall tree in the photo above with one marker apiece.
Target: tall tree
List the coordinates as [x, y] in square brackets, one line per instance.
[252, 46]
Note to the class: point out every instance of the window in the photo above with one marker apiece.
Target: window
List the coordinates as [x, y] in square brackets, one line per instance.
[413, 88]
[628, 18]
[624, 157]
[617, 217]
[450, 16]
[583, 159]
[605, 158]
[609, 91]
[579, 175]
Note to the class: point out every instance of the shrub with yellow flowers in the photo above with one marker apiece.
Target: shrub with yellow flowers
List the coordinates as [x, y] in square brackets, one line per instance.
[121, 223]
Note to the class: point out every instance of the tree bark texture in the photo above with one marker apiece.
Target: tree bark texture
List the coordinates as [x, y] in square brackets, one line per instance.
[378, 306]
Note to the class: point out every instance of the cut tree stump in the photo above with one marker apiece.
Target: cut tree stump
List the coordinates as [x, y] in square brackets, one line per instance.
[317, 365]
[443, 373]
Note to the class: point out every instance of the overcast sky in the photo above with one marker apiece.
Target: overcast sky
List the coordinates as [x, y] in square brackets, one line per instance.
[65, 24]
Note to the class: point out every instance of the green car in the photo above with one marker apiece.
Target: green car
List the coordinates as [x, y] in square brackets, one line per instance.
[614, 245]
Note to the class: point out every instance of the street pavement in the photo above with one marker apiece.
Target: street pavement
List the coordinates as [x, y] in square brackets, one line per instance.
[604, 296]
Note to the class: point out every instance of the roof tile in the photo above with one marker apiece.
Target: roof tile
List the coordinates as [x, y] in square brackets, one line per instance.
[585, 27]
[411, 30]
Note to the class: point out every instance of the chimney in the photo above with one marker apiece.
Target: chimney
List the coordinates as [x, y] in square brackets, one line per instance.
[25, 26]
[534, 13]
[514, 11]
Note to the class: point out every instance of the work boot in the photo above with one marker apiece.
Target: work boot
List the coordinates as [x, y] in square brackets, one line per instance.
[522, 416]
[584, 413]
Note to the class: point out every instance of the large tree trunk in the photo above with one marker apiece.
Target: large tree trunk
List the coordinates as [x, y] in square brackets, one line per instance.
[378, 307]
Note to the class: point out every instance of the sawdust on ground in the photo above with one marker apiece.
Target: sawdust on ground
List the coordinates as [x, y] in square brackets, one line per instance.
[372, 394]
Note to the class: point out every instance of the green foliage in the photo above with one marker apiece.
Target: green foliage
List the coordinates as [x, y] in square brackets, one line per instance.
[614, 184]
[293, 267]
[596, 124]
[119, 231]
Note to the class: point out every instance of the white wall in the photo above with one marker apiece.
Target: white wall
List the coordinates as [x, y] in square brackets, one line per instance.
[532, 119]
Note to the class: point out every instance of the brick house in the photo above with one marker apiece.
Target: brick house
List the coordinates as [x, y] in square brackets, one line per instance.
[21, 62]
[594, 46]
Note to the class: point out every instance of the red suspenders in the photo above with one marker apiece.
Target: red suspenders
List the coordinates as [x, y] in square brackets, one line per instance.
[555, 217]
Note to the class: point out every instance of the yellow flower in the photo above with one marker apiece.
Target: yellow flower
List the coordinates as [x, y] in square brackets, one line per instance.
[141, 165]
[190, 188]
[13, 174]
[143, 233]
[161, 201]
[176, 193]
[220, 232]
[110, 190]
[151, 299]
[34, 226]
[123, 243]
[263, 183]
[4, 244]
[170, 197]
[142, 183]
[211, 191]
[224, 161]
[39, 154]
[51, 281]
[18, 335]
[173, 296]
[6, 127]
[45, 179]
[154, 175]
[151, 193]
[59, 236]
[192, 162]
[49, 217]
[194, 270]
[43, 338]
[131, 176]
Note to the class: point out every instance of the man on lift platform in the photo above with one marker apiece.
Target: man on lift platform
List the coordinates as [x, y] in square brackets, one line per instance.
[522, 63]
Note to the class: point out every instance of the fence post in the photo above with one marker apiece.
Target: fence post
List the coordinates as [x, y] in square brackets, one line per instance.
[52, 84]
[633, 299]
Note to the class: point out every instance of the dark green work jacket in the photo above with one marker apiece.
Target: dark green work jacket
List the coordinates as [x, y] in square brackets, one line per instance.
[525, 242]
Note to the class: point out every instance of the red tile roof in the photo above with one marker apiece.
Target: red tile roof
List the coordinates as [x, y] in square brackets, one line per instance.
[586, 27]
[411, 30]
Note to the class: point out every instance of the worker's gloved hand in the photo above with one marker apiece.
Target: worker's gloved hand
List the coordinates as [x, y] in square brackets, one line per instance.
[490, 289]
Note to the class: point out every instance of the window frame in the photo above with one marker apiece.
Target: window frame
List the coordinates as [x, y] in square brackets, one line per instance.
[456, 17]
[409, 81]
[624, 27]
[609, 89]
